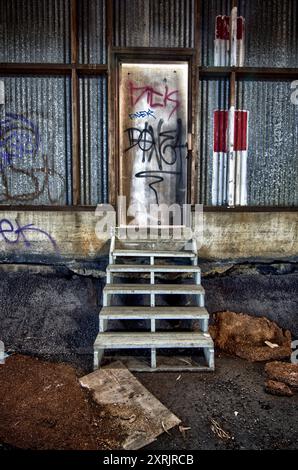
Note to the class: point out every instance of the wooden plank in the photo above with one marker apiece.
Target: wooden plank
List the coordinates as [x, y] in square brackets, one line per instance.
[158, 268]
[75, 107]
[74, 32]
[139, 415]
[132, 340]
[92, 69]
[156, 289]
[195, 163]
[130, 313]
[113, 109]
[35, 69]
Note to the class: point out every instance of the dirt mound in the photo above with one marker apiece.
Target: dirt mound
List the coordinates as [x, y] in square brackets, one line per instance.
[278, 388]
[43, 406]
[244, 336]
[283, 372]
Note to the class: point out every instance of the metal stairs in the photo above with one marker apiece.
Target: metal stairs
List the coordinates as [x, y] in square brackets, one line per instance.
[154, 340]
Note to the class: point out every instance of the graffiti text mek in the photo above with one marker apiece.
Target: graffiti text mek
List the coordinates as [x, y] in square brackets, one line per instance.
[155, 98]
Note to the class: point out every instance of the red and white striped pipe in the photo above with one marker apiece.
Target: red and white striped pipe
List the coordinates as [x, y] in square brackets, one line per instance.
[229, 166]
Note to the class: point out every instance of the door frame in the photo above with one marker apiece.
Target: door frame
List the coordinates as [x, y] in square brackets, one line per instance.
[152, 55]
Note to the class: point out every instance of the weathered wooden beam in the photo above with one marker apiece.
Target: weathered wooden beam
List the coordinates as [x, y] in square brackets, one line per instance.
[75, 107]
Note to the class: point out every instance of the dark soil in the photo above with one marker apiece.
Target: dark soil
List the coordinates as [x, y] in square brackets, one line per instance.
[42, 406]
[263, 421]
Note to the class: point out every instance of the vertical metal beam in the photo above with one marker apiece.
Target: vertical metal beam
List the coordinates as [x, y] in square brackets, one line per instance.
[75, 106]
[112, 111]
[195, 121]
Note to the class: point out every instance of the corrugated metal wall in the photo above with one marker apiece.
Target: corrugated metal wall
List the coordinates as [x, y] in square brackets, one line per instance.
[214, 94]
[271, 38]
[34, 31]
[94, 151]
[272, 176]
[35, 141]
[38, 31]
[92, 31]
[154, 23]
[271, 32]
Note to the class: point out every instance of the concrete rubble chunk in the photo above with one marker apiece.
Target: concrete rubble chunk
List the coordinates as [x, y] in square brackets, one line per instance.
[245, 336]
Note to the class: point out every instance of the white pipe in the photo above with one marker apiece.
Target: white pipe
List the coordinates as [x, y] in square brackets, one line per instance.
[241, 44]
[214, 193]
[233, 36]
[238, 159]
[231, 157]
[243, 188]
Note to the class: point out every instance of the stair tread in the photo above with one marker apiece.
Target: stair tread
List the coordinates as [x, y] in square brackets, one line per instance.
[155, 288]
[151, 268]
[158, 253]
[134, 340]
[166, 312]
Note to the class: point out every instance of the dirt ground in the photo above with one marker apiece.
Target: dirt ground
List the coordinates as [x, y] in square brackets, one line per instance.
[42, 406]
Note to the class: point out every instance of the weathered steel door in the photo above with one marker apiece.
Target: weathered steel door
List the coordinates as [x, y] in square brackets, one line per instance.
[153, 126]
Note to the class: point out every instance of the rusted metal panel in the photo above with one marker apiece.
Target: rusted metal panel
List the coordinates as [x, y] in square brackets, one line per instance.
[35, 146]
[34, 31]
[153, 134]
[154, 23]
[92, 31]
[93, 140]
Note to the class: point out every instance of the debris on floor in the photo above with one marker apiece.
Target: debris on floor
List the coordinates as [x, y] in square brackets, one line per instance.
[218, 431]
[282, 378]
[128, 402]
[251, 338]
[43, 406]
[278, 388]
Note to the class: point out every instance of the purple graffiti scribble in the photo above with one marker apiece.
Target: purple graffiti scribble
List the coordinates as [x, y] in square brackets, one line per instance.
[7, 227]
[19, 137]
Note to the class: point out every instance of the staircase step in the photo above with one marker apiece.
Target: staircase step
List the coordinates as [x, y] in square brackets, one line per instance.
[147, 268]
[170, 363]
[153, 289]
[158, 253]
[131, 340]
[162, 313]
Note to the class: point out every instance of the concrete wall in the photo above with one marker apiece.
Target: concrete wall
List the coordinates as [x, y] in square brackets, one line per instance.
[66, 236]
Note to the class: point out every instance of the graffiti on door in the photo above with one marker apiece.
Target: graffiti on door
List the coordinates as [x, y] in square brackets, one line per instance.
[153, 133]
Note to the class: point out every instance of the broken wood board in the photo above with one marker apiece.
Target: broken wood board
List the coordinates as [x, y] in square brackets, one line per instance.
[141, 416]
